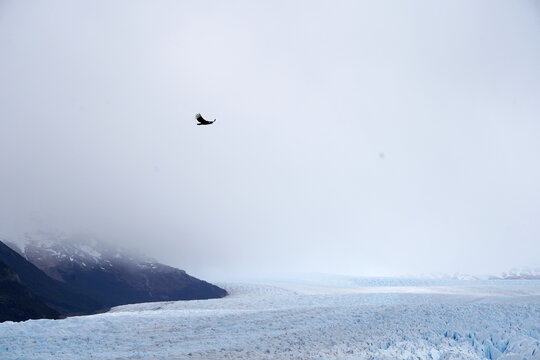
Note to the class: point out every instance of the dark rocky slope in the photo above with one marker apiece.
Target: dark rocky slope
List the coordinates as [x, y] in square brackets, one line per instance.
[54, 293]
[113, 276]
[17, 303]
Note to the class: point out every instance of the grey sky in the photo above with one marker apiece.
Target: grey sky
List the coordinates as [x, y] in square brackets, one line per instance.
[97, 100]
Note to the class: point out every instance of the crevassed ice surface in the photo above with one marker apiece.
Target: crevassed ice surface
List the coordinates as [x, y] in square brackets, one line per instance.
[325, 318]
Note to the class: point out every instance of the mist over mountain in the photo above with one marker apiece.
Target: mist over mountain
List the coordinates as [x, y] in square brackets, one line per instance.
[109, 274]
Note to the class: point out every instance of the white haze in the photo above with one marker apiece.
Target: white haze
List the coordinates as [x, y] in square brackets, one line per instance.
[360, 137]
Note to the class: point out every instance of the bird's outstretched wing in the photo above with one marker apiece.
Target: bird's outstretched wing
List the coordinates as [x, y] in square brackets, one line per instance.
[201, 120]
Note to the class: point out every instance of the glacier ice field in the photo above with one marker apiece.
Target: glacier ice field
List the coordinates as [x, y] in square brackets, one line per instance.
[312, 318]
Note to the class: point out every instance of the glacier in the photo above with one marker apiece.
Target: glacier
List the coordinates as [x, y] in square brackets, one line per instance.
[308, 318]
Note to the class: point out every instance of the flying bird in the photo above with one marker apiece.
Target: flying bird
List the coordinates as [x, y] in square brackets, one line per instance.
[202, 121]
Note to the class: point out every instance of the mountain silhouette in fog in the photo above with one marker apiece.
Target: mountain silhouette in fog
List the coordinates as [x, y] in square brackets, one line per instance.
[86, 277]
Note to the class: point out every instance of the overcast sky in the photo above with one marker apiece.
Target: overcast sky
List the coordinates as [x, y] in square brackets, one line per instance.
[355, 137]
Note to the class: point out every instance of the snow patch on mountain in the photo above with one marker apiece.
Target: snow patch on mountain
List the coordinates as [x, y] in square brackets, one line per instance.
[48, 249]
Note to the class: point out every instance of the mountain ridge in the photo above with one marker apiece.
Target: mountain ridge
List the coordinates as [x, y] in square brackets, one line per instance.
[54, 293]
[109, 274]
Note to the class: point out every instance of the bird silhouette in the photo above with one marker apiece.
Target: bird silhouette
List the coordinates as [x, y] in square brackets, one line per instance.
[202, 121]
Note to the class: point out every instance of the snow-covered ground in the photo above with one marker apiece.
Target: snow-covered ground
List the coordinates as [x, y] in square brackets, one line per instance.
[316, 318]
